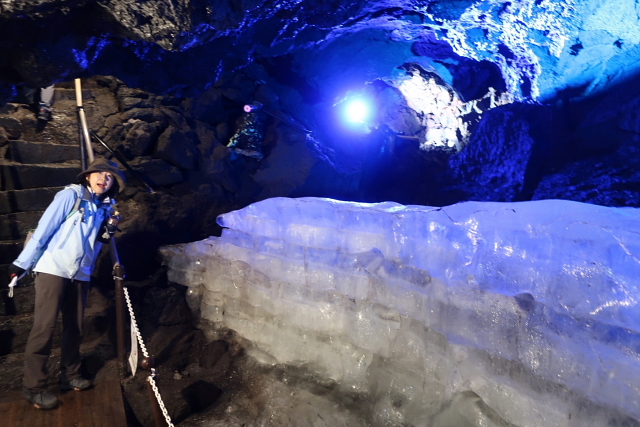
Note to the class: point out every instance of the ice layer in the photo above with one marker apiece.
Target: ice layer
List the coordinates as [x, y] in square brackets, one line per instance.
[479, 313]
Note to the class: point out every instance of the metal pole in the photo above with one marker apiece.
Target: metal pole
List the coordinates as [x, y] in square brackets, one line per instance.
[118, 276]
[83, 156]
[83, 120]
[123, 161]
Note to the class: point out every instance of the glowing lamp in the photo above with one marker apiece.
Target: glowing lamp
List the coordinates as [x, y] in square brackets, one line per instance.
[356, 110]
[252, 107]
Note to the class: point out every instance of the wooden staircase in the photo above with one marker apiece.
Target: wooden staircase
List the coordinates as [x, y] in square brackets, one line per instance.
[36, 161]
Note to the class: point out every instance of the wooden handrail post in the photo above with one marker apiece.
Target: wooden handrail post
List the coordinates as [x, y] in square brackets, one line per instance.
[118, 273]
[118, 276]
[148, 364]
[84, 129]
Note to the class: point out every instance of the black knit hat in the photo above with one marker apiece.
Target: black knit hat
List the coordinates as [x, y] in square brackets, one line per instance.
[103, 165]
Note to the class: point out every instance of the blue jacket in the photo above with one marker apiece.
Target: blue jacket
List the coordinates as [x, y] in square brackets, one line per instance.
[65, 245]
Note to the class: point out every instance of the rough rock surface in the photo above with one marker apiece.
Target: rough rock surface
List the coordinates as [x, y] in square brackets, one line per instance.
[302, 59]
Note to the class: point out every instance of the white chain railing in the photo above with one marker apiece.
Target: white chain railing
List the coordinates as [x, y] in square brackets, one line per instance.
[151, 377]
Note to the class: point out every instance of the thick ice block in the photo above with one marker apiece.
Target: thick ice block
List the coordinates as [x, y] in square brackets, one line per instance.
[521, 314]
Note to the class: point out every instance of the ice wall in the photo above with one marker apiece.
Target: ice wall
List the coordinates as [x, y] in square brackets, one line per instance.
[478, 314]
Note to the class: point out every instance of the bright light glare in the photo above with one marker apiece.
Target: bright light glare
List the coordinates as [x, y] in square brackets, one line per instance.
[357, 111]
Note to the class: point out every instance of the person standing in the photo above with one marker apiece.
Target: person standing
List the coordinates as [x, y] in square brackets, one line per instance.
[46, 102]
[62, 253]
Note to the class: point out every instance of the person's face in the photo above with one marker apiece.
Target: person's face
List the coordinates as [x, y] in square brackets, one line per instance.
[100, 182]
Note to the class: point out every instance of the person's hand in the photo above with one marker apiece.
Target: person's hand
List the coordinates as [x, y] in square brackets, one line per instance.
[106, 233]
[14, 270]
[108, 228]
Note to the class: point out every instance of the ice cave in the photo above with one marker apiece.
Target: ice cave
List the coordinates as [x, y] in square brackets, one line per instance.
[359, 214]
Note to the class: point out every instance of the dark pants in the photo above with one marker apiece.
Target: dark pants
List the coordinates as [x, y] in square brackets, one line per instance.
[55, 294]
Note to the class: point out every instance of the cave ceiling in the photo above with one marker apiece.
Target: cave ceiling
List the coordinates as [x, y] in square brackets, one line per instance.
[542, 49]
[564, 73]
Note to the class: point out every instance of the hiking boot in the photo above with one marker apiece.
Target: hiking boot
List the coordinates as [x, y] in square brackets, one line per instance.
[76, 384]
[41, 399]
[44, 114]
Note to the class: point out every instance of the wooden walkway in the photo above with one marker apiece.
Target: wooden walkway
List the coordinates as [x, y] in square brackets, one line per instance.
[101, 406]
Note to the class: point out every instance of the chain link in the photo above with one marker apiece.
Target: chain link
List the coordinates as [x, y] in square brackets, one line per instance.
[134, 323]
[160, 402]
[151, 379]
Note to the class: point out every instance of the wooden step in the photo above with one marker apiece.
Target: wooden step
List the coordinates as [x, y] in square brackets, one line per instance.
[101, 406]
[42, 152]
[15, 226]
[16, 176]
[16, 318]
[34, 199]
[15, 330]
[22, 303]
[9, 250]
